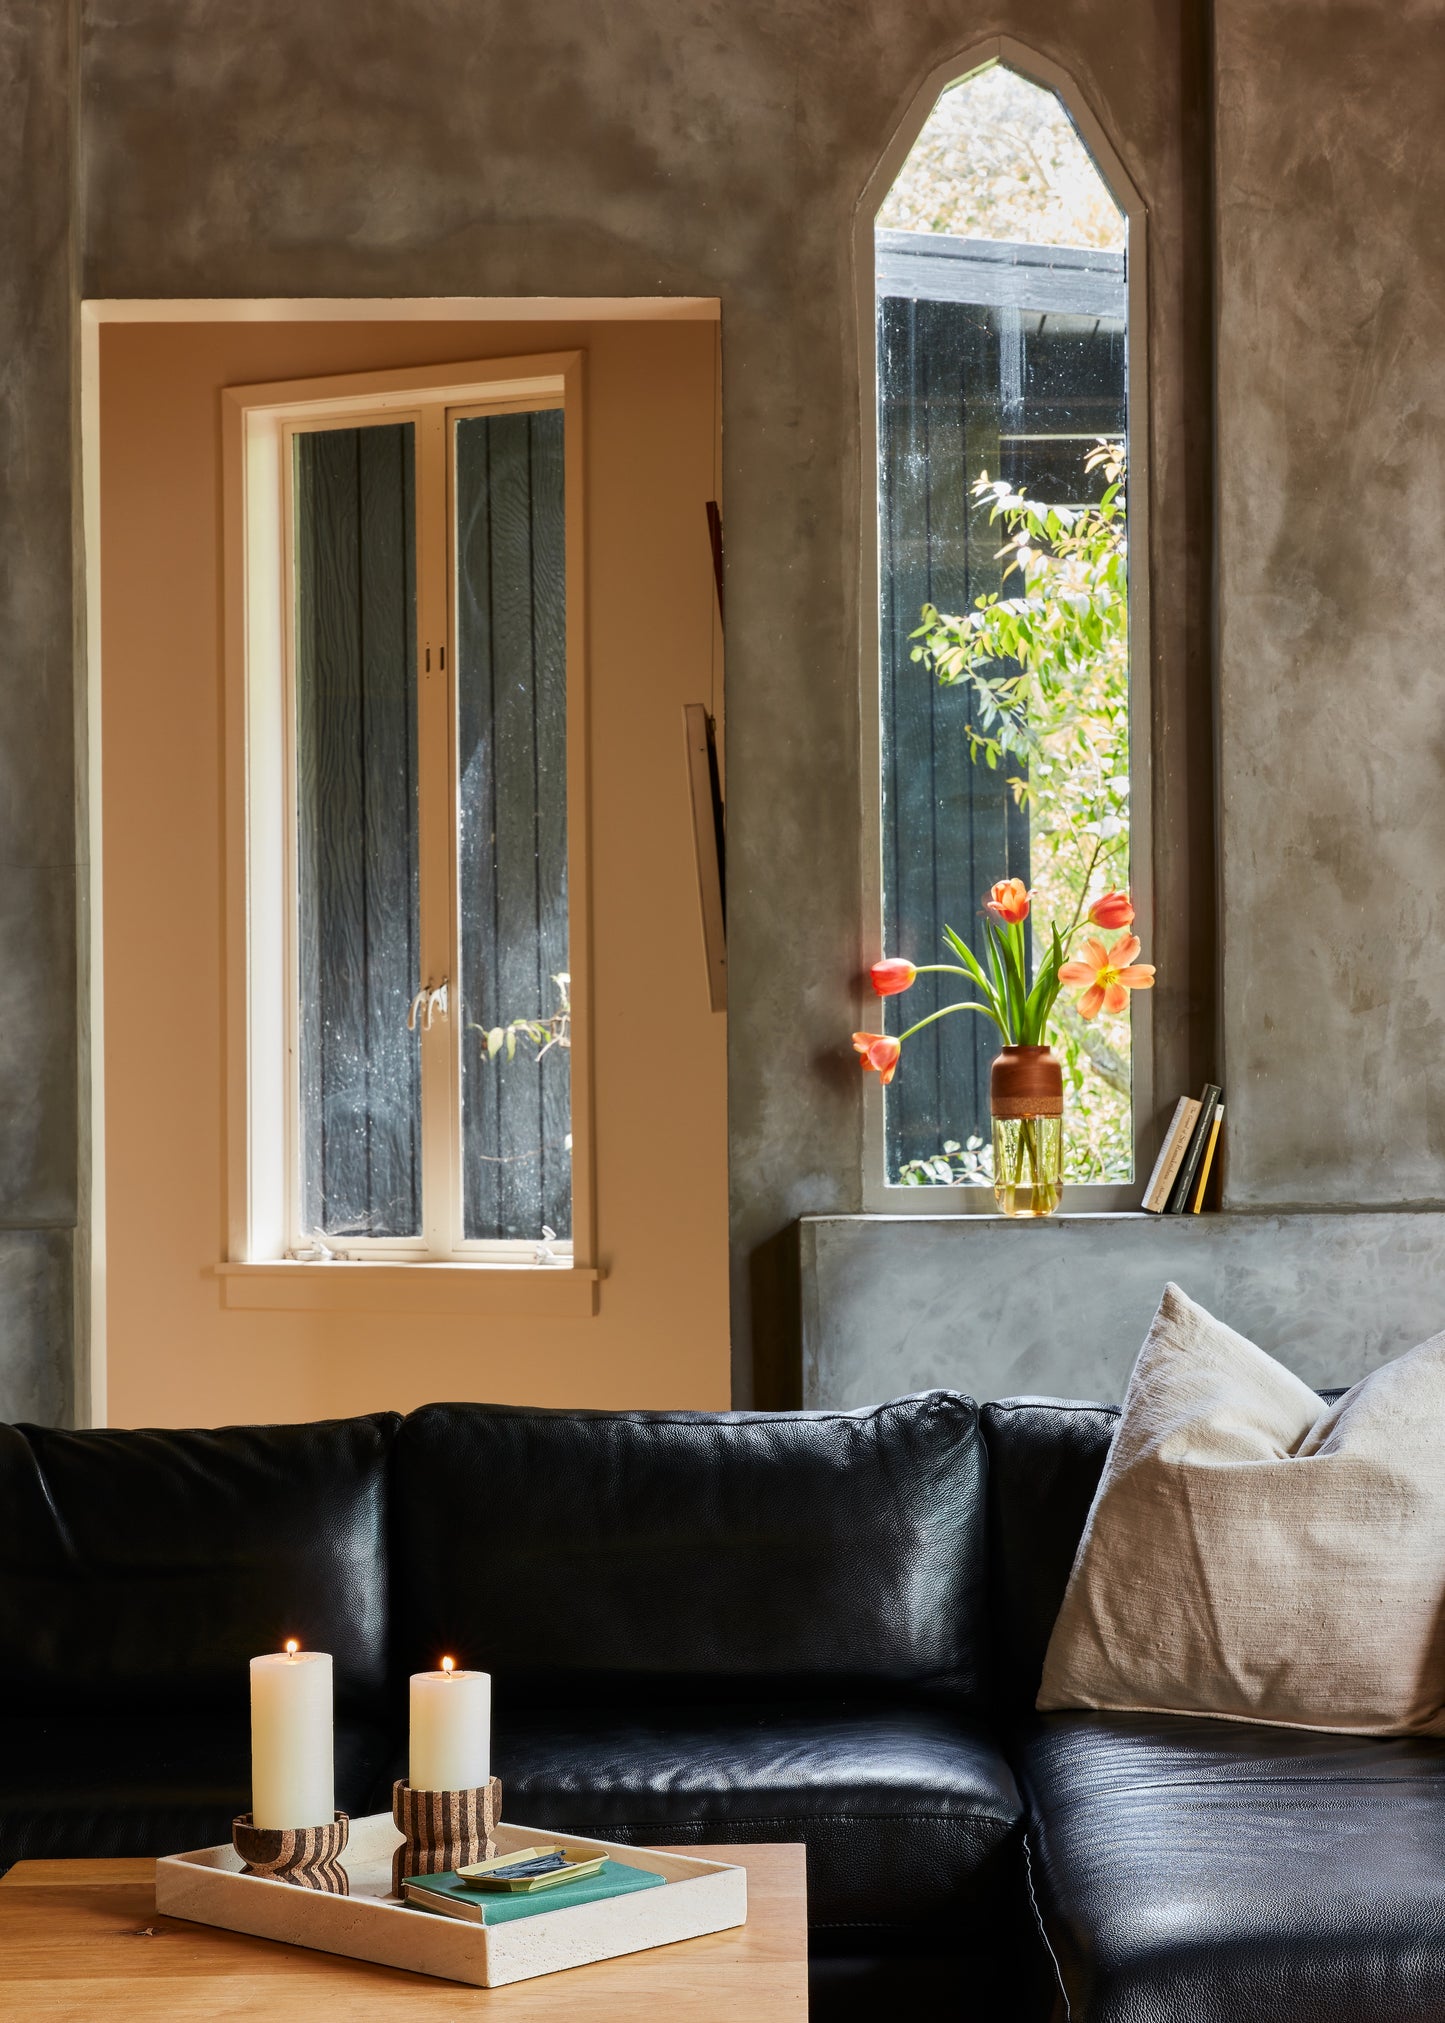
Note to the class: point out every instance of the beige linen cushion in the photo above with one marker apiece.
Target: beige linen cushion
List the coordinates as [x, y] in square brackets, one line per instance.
[1255, 1554]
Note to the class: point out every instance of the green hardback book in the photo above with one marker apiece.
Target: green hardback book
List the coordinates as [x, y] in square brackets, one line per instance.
[449, 1895]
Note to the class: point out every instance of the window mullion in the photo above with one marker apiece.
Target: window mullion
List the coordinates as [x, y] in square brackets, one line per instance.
[435, 802]
[456, 1213]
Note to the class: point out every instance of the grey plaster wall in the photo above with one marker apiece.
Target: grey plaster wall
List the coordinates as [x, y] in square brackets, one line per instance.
[1060, 1308]
[38, 981]
[1328, 202]
[1331, 263]
[694, 146]
[36, 1375]
[719, 147]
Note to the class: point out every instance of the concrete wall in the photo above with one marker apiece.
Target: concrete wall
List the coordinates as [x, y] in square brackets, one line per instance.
[1331, 220]
[39, 1016]
[469, 146]
[697, 148]
[1329, 192]
[1059, 1308]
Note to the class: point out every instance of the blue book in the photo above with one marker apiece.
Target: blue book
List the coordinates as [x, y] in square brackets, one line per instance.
[448, 1894]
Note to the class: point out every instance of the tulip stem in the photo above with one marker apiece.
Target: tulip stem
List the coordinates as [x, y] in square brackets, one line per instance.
[987, 1011]
[1026, 1144]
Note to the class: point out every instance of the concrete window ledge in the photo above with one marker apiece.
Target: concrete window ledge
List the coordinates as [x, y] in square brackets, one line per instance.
[997, 1307]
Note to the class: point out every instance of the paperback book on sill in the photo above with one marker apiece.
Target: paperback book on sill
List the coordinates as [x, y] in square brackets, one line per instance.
[1181, 1175]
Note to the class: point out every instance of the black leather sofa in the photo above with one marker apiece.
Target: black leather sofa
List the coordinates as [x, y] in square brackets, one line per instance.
[819, 1627]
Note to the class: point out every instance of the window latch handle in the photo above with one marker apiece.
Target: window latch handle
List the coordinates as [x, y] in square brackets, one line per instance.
[430, 1002]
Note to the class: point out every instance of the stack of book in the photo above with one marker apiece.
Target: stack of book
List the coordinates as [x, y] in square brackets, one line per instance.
[524, 1884]
[1186, 1158]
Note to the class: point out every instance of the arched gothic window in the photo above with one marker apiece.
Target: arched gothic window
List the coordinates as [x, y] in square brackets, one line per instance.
[1007, 741]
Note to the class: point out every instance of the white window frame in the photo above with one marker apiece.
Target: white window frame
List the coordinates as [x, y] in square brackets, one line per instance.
[264, 1143]
[1078, 1197]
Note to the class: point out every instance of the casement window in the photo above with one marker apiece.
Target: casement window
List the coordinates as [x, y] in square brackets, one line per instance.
[1007, 272]
[411, 1084]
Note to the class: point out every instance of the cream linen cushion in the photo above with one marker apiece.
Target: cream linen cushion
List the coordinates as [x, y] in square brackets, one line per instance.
[1255, 1554]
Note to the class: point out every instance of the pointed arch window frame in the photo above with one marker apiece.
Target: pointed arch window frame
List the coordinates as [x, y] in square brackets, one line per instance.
[1079, 1197]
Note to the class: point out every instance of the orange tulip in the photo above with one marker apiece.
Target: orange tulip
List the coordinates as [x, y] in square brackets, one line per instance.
[892, 975]
[1111, 910]
[881, 1052]
[1109, 973]
[1008, 900]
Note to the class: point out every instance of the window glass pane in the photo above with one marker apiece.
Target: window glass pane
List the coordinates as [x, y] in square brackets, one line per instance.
[355, 654]
[1002, 361]
[512, 761]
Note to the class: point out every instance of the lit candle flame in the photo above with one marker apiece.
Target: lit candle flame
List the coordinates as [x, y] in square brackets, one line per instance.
[447, 1667]
[292, 1647]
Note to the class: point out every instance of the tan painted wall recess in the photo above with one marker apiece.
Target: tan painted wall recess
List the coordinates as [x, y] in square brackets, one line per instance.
[186, 1343]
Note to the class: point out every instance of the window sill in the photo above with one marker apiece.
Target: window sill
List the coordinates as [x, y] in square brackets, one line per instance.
[543, 1292]
[977, 1204]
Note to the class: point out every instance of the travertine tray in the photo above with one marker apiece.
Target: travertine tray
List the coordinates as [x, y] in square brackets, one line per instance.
[700, 1896]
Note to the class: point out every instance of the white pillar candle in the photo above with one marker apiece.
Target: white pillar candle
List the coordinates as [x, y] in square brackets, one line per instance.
[291, 1767]
[451, 1729]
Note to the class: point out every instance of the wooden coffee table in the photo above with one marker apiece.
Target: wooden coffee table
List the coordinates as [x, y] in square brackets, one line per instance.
[81, 1940]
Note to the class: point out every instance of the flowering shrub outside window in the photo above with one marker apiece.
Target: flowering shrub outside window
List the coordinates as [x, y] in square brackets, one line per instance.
[1047, 661]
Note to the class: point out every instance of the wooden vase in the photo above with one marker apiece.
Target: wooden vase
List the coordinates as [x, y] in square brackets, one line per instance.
[1026, 1082]
[444, 1829]
[1026, 1099]
[309, 1856]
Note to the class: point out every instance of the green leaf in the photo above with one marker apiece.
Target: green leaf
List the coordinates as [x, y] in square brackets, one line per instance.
[1009, 982]
[975, 968]
[1045, 990]
[1012, 937]
[1036, 1008]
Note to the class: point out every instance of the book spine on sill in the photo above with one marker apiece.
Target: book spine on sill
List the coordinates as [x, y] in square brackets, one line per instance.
[1207, 1163]
[1182, 1192]
[1171, 1153]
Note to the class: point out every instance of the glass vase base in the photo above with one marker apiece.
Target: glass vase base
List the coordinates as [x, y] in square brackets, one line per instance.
[1026, 1200]
[1028, 1164]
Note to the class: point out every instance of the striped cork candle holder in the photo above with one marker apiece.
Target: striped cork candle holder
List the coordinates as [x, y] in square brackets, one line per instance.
[444, 1829]
[309, 1856]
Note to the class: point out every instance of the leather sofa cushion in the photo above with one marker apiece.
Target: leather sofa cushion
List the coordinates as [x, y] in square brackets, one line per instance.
[144, 1570]
[130, 1784]
[677, 1555]
[1045, 1457]
[910, 1816]
[1193, 1871]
